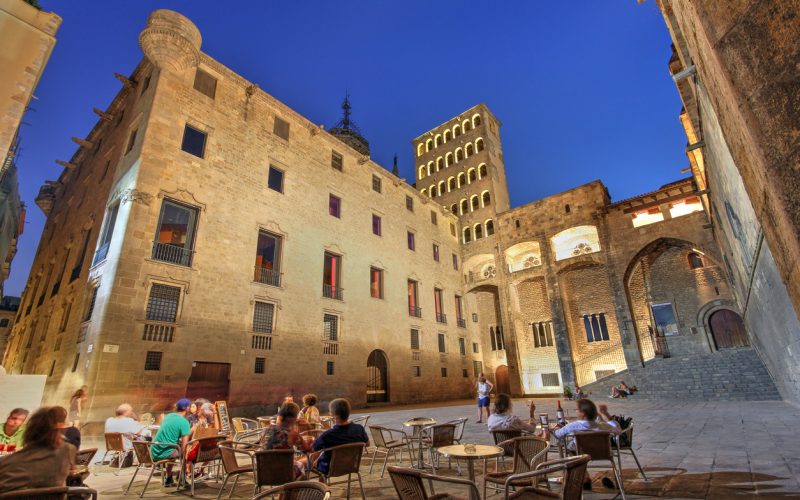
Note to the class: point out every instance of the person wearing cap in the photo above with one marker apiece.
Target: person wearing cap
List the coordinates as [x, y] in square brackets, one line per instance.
[175, 429]
[123, 422]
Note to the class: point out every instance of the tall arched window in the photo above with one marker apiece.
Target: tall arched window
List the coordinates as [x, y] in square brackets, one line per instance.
[476, 120]
[468, 151]
[467, 235]
[695, 261]
[486, 199]
[451, 184]
[437, 141]
[478, 231]
[446, 135]
[474, 202]
[422, 172]
[456, 131]
[464, 206]
[432, 190]
[466, 126]
[482, 171]
[454, 208]
[459, 155]
[424, 192]
[479, 145]
[489, 227]
[419, 149]
[471, 176]
[439, 163]
[462, 179]
[442, 188]
[448, 159]
[430, 167]
[428, 145]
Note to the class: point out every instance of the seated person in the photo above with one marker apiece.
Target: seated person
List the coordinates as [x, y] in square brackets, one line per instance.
[44, 461]
[283, 436]
[69, 433]
[342, 432]
[195, 411]
[123, 422]
[578, 394]
[205, 423]
[310, 413]
[175, 429]
[620, 391]
[503, 419]
[13, 431]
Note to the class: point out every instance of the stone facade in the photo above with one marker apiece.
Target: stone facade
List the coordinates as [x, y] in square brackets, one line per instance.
[229, 246]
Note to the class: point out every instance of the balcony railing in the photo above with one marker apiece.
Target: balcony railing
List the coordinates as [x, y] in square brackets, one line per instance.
[332, 292]
[414, 355]
[441, 317]
[415, 311]
[267, 276]
[174, 254]
[462, 323]
[330, 348]
[262, 342]
[158, 332]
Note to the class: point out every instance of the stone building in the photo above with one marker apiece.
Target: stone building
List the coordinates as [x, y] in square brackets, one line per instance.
[235, 250]
[8, 309]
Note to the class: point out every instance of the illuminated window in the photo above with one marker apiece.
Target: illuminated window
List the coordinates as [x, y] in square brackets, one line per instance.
[376, 283]
[685, 207]
[646, 217]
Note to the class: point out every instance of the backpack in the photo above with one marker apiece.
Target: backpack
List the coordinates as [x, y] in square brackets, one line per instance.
[624, 439]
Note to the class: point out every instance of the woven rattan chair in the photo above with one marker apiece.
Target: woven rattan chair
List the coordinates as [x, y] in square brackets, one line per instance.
[272, 468]
[228, 451]
[528, 452]
[145, 457]
[619, 450]
[437, 436]
[409, 484]
[115, 445]
[386, 441]
[84, 457]
[345, 460]
[502, 436]
[298, 490]
[55, 493]
[572, 471]
[597, 444]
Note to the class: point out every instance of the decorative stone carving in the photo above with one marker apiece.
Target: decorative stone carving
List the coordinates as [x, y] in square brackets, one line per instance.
[171, 41]
[135, 196]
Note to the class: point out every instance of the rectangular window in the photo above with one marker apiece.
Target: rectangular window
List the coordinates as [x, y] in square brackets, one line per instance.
[442, 346]
[76, 271]
[434, 221]
[462, 346]
[194, 141]
[275, 179]
[413, 301]
[335, 206]
[376, 282]
[152, 362]
[330, 327]
[595, 327]
[444, 371]
[329, 367]
[411, 241]
[75, 362]
[460, 312]
[281, 128]
[92, 301]
[452, 229]
[267, 267]
[108, 232]
[477, 368]
[337, 162]
[414, 339]
[409, 203]
[259, 368]
[205, 83]
[376, 183]
[474, 317]
[162, 305]
[455, 262]
[550, 380]
[663, 316]
[416, 371]
[131, 140]
[475, 347]
[436, 252]
[464, 373]
[174, 242]
[331, 276]
[376, 225]
[438, 303]
[263, 315]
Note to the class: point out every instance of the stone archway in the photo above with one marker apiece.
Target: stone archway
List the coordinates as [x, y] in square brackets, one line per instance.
[727, 329]
[377, 377]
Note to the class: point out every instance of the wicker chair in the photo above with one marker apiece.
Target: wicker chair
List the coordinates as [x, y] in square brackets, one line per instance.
[597, 444]
[241, 424]
[272, 468]
[55, 493]
[409, 484]
[618, 450]
[115, 445]
[528, 453]
[298, 490]
[572, 470]
[208, 454]
[387, 441]
[84, 457]
[145, 457]
[228, 451]
[345, 460]
[502, 436]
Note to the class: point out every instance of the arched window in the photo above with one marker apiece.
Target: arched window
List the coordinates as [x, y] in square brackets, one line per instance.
[478, 231]
[482, 171]
[456, 131]
[446, 135]
[424, 192]
[448, 159]
[454, 208]
[430, 167]
[695, 261]
[442, 188]
[451, 184]
[462, 179]
[466, 126]
[432, 190]
[437, 141]
[476, 120]
[428, 145]
[489, 227]
[467, 235]
[479, 145]
[439, 163]
[419, 149]
[471, 176]
[422, 172]
[486, 199]
[464, 206]
[474, 202]
[468, 151]
[459, 155]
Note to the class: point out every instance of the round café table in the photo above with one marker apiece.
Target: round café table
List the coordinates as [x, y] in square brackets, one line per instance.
[417, 424]
[482, 452]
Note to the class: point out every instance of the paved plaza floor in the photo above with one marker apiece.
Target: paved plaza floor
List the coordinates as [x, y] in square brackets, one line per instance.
[688, 450]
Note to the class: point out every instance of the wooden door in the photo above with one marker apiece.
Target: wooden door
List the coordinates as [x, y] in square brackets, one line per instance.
[728, 329]
[209, 380]
[501, 380]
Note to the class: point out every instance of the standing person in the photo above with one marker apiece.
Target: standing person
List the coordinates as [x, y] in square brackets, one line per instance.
[13, 431]
[343, 431]
[75, 405]
[175, 429]
[310, 412]
[484, 388]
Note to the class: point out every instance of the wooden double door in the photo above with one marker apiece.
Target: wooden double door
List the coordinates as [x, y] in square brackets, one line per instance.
[209, 380]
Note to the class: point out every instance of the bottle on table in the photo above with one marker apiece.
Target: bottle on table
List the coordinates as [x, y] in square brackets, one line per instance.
[560, 413]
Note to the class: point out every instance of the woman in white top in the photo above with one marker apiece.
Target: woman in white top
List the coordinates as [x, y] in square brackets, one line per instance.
[504, 420]
[484, 388]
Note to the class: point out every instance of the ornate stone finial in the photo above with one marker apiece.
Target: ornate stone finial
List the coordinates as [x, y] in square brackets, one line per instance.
[83, 142]
[103, 115]
[171, 41]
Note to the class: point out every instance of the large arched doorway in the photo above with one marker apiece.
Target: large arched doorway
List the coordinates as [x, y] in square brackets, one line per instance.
[377, 377]
[727, 329]
[501, 380]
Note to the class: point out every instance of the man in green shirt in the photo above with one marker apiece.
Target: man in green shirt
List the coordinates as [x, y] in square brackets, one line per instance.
[174, 429]
[13, 431]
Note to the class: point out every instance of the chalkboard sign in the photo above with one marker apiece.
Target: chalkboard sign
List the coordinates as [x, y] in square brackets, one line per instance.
[223, 419]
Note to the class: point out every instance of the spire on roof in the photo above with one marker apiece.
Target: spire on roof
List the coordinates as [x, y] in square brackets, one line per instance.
[395, 170]
[347, 131]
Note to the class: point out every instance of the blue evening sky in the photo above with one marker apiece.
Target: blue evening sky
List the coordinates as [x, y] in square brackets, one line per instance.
[581, 87]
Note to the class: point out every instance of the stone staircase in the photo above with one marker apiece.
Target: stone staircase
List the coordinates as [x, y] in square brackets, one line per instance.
[726, 375]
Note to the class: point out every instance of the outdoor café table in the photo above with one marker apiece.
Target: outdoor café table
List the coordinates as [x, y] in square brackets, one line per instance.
[459, 452]
[418, 425]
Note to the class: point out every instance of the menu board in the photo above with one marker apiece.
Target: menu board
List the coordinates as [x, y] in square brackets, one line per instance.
[223, 419]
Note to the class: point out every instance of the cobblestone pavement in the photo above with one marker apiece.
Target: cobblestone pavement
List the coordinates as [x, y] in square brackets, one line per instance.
[688, 449]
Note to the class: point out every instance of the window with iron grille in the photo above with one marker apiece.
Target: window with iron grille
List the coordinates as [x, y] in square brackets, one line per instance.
[152, 362]
[163, 303]
[550, 380]
[205, 83]
[434, 221]
[477, 368]
[376, 183]
[262, 342]
[414, 339]
[194, 141]
[329, 367]
[281, 128]
[442, 344]
[409, 203]
[75, 363]
[92, 301]
[416, 371]
[330, 327]
[462, 346]
[131, 140]
[259, 368]
[543, 334]
[444, 371]
[337, 162]
[263, 314]
[474, 317]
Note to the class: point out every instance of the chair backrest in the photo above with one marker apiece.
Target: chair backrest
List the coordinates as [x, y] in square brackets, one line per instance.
[505, 435]
[142, 451]
[345, 459]
[208, 449]
[408, 483]
[228, 454]
[305, 426]
[527, 452]
[114, 441]
[274, 467]
[416, 429]
[378, 437]
[361, 420]
[442, 435]
[238, 425]
[313, 433]
[629, 431]
[460, 424]
[54, 493]
[298, 490]
[572, 484]
[84, 457]
[596, 444]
